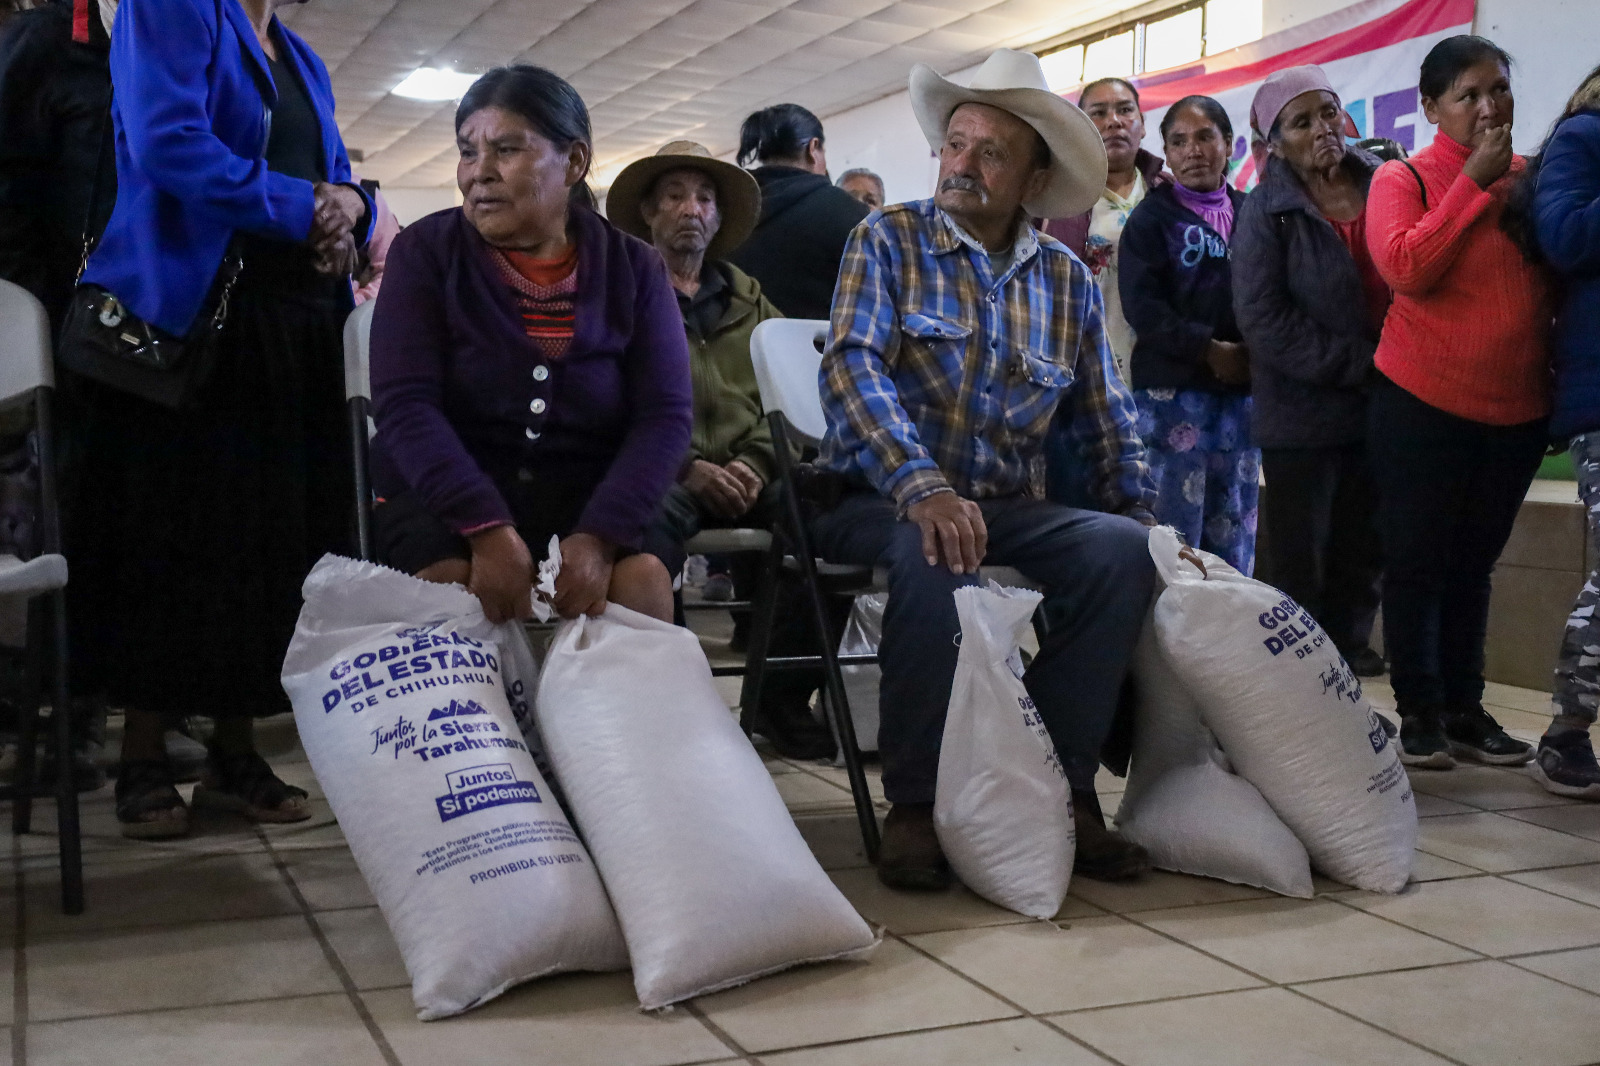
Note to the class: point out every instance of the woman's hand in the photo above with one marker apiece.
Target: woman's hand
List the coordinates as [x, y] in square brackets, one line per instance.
[502, 574]
[1491, 156]
[585, 578]
[338, 259]
[335, 212]
[1229, 362]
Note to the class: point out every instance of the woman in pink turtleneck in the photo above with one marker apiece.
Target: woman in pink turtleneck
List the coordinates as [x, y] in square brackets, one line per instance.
[1458, 416]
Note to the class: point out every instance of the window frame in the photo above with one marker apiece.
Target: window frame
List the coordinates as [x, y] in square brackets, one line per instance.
[1137, 26]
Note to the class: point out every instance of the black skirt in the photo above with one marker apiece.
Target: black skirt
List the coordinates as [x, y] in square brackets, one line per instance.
[190, 532]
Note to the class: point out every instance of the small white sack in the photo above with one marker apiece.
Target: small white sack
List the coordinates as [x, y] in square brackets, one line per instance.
[1002, 806]
[1183, 803]
[862, 632]
[399, 692]
[1291, 716]
[712, 881]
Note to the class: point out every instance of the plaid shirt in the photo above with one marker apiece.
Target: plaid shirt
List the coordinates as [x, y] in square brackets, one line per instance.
[940, 377]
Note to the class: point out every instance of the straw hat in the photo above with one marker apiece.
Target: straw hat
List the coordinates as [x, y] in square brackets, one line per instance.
[738, 195]
[1014, 82]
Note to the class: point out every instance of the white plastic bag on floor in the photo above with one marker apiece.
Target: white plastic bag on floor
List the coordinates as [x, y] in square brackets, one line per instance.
[1184, 804]
[711, 879]
[399, 689]
[1002, 806]
[1290, 715]
[862, 632]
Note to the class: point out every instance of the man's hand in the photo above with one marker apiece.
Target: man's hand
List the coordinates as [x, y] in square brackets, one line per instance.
[953, 531]
[1229, 362]
[1491, 156]
[585, 578]
[749, 479]
[718, 488]
[502, 574]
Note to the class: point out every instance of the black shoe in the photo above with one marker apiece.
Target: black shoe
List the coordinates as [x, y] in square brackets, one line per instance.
[1364, 662]
[1565, 765]
[793, 731]
[1102, 854]
[1474, 734]
[148, 806]
[910, 857]
[1423, 743]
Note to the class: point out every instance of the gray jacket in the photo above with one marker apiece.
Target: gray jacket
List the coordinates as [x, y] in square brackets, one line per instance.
[1300, 306]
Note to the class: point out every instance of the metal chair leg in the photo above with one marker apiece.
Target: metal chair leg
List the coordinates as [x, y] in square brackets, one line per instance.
[26, 776]
[68, 829]
[363, 488]
[763, 612]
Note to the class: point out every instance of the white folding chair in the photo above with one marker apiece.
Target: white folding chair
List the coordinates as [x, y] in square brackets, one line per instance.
[27, 376]
[358, 399]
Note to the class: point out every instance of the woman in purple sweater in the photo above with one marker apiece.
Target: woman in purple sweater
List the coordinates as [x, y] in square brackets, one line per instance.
[530, 374]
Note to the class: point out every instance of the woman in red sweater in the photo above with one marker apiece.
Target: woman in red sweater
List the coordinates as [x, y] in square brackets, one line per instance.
[1458, 418]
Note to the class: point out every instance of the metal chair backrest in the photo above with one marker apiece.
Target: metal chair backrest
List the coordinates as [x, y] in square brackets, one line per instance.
[787, 355]
[357, 345]
[24, 344]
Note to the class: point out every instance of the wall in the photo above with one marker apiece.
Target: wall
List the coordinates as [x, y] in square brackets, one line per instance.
[884, 137]
[409, 205]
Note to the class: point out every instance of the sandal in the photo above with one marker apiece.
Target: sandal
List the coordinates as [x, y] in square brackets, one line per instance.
[245, 784]
[148, 806]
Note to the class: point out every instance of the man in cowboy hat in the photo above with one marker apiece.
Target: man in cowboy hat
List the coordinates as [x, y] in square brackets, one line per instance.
[696, 210]
[959, 334]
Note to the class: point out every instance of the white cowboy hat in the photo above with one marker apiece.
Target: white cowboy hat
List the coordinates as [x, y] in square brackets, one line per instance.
[1014, 82]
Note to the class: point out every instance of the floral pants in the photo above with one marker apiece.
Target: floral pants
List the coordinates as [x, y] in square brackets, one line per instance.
[1576, 692]
[1208, 475]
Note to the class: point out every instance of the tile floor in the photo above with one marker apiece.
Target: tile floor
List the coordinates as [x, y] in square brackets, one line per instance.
[262, 947]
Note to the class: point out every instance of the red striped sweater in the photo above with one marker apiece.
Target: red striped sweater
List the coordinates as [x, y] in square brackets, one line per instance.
[1468, 332]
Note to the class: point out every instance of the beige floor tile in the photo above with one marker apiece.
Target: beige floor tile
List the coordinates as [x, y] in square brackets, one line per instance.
[1158, 890]
[839, 779]
[1433, 868]
[1020, 1042]
[5, 1047]
[930, 912]
[328, 878]
[175, 889]
[835, 839]
[321, 832]
[1286, 940]
[1093, 962]
[7, 971]
[808, 792]
[314, 1031]
[1489, 788]
[1107, 783]
[1500, 844]
[1522, 699]
[1488, 914]
[1581, 883]
[1580, 967]
[175, 966]
[1433, 806]
[1263, 1027]
[365, 947]
[1481, 1013]
[560, 1021]
[211, 833]
[897, 990]
[1581, 819]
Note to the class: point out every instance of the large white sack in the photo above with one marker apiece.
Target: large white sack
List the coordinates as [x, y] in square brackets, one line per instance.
[711, 879]
[1291, 716]
[1185, 806]
[862, 632]
[398, 688]
[1002, 807]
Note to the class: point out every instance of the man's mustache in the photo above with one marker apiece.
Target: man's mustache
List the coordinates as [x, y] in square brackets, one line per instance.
[963, 184]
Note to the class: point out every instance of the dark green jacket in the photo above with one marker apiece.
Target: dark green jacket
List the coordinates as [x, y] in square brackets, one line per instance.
[728, 421]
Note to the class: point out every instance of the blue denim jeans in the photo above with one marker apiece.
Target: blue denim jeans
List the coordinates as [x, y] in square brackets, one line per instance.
[1099, 579]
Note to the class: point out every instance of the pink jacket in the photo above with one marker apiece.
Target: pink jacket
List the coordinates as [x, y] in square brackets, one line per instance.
[384, 230]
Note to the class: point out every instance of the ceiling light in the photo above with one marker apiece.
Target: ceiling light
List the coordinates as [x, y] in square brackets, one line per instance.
[435, 83]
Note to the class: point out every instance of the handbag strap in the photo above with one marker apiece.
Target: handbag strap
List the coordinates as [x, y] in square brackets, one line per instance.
[1420, 185]
[90, 238]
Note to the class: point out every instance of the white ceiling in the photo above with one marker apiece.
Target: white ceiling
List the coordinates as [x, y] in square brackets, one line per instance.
[649, 70]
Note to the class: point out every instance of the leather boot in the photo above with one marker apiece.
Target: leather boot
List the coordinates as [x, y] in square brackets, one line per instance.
[1102, 854]
[909, 856]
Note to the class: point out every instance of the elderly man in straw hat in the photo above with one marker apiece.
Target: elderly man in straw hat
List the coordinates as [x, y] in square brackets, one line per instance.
[959, 335]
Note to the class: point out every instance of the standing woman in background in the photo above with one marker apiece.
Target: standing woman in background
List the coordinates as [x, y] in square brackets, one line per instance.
[1566, 217]
[1311, 305]
[194, 528]
[805, 219]
[1190, 368]
[1458, 419]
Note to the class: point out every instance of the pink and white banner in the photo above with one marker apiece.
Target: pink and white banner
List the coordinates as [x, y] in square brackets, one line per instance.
[1371, 52]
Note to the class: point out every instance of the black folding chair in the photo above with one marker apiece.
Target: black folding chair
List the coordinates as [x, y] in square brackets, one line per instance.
[27, 376]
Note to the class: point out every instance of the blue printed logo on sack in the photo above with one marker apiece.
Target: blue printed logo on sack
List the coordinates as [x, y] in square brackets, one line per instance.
[1377, 736]
[478, 788]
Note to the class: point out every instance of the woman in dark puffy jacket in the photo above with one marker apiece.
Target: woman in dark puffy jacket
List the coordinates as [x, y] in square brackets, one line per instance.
[1311, 305]
[1190, 368]
[1567, 225]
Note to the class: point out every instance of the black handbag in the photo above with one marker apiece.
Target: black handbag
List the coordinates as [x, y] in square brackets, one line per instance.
[104, 341]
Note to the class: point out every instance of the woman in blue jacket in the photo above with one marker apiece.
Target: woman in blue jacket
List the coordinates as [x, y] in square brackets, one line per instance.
[193, 529]
[1190, 369]
[1566, 217]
